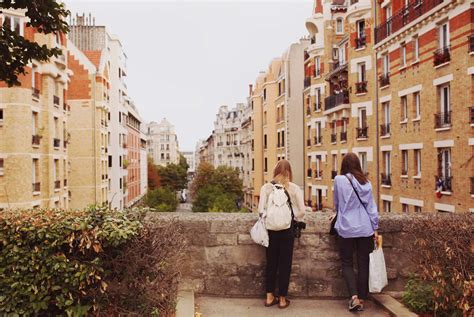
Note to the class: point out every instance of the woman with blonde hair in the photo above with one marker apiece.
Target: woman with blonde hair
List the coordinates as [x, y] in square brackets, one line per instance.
[279, 252]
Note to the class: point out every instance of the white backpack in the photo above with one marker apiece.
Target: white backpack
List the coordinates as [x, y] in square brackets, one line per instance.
[278, 214]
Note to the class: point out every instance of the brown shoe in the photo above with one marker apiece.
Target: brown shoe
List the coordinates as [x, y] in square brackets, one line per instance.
[274, 302]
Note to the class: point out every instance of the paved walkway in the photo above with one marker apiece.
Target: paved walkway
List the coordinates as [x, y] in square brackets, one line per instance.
[237, 307]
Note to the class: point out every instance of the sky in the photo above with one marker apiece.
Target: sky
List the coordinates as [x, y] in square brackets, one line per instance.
[187, 58]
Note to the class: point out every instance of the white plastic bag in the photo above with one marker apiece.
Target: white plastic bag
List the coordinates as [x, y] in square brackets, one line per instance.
[259, 232]
[377, 271]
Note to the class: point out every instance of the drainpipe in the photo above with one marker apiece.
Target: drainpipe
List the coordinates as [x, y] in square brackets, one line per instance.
[377, 139]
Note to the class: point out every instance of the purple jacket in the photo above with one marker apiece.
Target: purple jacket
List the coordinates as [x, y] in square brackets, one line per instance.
[353, 220]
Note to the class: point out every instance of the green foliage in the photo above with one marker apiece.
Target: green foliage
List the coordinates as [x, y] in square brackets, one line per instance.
[418, 296]
[163, 199]
[52, 261]
[173, 176]
[183, 163]
[442, 250]
[153, 177]
[47, 16]
[213, 198]
[228, 179]
[223, 203]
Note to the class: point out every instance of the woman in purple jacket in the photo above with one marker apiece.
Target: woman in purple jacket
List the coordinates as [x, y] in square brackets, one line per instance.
[356, 225]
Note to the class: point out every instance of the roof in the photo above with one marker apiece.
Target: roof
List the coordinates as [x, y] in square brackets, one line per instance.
[94, 57]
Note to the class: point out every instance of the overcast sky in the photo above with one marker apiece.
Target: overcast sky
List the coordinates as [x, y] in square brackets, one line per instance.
[186, 58]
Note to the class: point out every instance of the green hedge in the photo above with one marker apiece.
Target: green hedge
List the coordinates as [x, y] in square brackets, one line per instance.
[56, 262]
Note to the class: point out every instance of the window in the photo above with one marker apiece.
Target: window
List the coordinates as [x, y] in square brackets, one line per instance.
[283, 138]
[387, 206]
[265, 94]
[361, 29]
[444, 163]
[417, 105]
[405, 208]
[265, 165]
[278, 137]
[404, 162]
[443, 32]
[35, 175]
[265, 141]
[317, 99]
[416, 48]
[417, 162]
[386, 118]
[335, 53]
[404, 109]
[386, 64]
[319, 172]
[342, 55]
[388, 16]
[387, 168]
[417, 209]
[1, 165]
[334, 162]
[362, 118]
[403, 55]
[444, 98]
[120, 183]
[317, 62]
[361, 70]
[363, 161]
[253, 165]
[1, 115]
[318, 132]
[35, 123]
[15, 24]
[339, 26]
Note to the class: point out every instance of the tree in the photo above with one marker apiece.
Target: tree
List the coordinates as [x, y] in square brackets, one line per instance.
[228, 179]
[46, 16]
[183, 162]
[173, 176]
[163, 199]
[204, 174]
[153, 177]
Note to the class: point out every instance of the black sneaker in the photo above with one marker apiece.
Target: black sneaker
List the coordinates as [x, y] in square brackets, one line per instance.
[353, 306]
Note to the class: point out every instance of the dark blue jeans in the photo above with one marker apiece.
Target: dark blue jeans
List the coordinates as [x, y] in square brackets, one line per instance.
[363, 246]
[279, 260]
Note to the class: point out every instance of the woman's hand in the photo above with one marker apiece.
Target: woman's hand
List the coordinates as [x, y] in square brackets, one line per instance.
[376, 238]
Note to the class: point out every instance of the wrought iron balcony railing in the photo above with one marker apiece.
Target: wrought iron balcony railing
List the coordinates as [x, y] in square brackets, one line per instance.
[307, 82]
[36, 187]
[361, 133]
[333, 137]
[384, 79]
[335, 100]
[361, 87]
[343, 136]
[385, 129]
[386, 179]
[35, 139]
[56, 100]
[57, 184]
[360, 42]
[442, 55]
[56, 142]
[445, 183]
[442, 119]
[318, 139]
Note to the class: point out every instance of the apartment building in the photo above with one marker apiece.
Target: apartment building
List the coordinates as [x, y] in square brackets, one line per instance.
[338, 95]
[227, 137]
[143, 161]
[425, 68]
[246, 145]
[190, 159]
[34, 121]
[206, 150]
[162, 143]
[133, 161]
[88, 97]
[95, 41]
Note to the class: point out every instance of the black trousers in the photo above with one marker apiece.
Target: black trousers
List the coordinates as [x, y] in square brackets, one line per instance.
[279, 260]
[363, 246]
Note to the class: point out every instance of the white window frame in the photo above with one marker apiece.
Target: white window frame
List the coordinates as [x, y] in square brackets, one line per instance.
[386, 64]
[340, 25]
[334, 162]
[363, 161]
[318, 166]
[360, 117]
[405, 161]
[443, 35]
[403, 54]
[404, 108]
[387, 163]
[361, 31]
[387, 206]
[417, 101]
[362, 72]
[405, 208]
[445, 105]
[417, 154]
[388, 14]
[386, 112]
[416, 48]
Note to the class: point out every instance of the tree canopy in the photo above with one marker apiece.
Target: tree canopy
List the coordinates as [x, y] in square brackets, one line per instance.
[46, 16]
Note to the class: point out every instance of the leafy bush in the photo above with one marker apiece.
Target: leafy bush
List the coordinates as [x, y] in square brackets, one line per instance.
[418, 296]
[163, 199]
[68, 262]
[443, 254]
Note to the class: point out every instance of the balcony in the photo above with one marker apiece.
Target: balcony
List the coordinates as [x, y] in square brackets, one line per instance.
[36, 187]
[360, 42]
[308, 142]
[471, 115]
[335, 100]
[385, 129]
[442, 120]
[56, 142]
[36, 139]
[319, 206]
[441, 56]
[333, 137]
[384, 79]
[386, 180]
[57, 184]
[470, 45]
[318, 140]
[445, 183]
[308, 110]
[333, 174]
[65, 183]
[56, 100]
[411, 12]
[361, 87]
[307, 82]
[344, 136]
[361, 133]
[309, 172]
[35, 92]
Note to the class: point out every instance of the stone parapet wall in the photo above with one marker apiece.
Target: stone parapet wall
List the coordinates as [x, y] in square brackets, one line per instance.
[221, 258]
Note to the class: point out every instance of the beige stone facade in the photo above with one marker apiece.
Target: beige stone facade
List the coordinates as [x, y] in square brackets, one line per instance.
[162, 143]
[34, 128]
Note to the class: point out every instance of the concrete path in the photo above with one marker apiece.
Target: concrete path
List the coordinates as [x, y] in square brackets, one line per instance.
[186, 207]
[237, 307]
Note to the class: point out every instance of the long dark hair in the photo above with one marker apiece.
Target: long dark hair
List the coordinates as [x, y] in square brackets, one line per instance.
[351, 164]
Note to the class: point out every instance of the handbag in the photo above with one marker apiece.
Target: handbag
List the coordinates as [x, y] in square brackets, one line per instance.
[259, 233]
